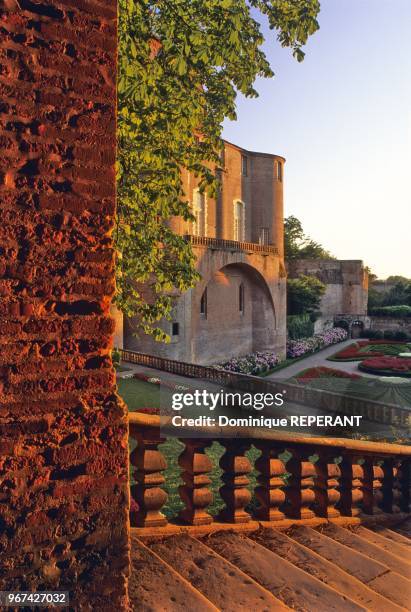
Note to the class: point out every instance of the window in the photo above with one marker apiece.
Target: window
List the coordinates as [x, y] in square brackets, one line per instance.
[203, 304]
[279, 171]
[241, 298]
[199, 225]
[244, 165]
[175, 329]
[239, 220]
[264, 236]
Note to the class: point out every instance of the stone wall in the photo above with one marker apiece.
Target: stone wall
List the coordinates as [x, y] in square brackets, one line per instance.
[63, 430]
[224, 332]
[347, 286]
[391, 323]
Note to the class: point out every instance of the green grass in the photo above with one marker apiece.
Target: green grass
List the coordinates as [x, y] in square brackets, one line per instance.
[139, 394]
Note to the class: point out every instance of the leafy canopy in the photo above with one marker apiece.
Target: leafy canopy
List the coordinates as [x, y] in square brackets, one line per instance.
[172, 99]
[304, 294]
[299, 246]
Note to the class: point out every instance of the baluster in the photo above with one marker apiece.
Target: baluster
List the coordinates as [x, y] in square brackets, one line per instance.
[234, 491]
[377, 488]
[270, 491]
[147, 491]
[195, 492]
[351, 494]
[326, 490]
[356, 486]
[367, 485]
[300, 487]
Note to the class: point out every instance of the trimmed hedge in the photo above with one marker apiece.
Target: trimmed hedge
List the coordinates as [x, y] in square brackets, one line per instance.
[387, 334]
[391, 311]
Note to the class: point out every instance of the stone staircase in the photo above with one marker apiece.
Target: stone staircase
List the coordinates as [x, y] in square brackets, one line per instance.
[319, 569]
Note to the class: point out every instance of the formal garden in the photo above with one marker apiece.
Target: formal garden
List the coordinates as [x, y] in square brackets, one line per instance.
[379, 357]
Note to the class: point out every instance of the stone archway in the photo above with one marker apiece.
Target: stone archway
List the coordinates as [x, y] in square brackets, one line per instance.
[240, 317]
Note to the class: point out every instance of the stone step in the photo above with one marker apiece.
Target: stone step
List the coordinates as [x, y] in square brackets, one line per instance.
[221, 582]
[154, 586]
[393, 535]
[353, 540]
[311, 562]
[374, 574]
[377, 538]
[296, 588]
[403, 528]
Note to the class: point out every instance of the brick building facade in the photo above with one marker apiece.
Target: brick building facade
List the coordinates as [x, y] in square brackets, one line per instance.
[238, 239]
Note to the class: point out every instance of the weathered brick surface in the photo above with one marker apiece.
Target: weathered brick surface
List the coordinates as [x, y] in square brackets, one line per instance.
[63, 431]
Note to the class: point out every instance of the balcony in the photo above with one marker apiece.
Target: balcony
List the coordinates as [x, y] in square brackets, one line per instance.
[232, 245]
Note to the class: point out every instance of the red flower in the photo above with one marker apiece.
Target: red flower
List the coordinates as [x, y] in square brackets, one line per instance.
[394, 364]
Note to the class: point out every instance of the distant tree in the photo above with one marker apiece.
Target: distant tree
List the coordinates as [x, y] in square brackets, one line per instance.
[181, 64]
[396, 278]
[297, 245]
[371, 276]
[304, 294]
[398, 295]
[375, 298]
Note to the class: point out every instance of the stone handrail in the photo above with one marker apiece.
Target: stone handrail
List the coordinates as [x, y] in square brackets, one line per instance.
[300, 478]
[232, 245]
[378, 412]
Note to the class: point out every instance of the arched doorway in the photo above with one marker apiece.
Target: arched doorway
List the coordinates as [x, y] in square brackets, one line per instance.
[356, 329]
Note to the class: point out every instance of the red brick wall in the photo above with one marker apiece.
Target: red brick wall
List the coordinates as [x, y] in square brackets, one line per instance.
[63, 431]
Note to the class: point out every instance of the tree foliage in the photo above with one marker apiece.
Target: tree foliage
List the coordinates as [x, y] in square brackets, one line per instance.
[297, 245]
[397, 295]
[172, 100]
[304, 294]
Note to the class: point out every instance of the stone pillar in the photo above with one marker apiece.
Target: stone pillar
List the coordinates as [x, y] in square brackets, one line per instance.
[63, 430]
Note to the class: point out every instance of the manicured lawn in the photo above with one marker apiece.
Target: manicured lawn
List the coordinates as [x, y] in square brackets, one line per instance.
[139, 394]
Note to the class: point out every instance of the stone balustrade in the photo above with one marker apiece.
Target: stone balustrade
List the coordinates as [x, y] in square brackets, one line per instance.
[299, 479]
[232, 245]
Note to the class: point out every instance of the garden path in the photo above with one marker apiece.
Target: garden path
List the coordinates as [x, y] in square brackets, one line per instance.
[320, 359]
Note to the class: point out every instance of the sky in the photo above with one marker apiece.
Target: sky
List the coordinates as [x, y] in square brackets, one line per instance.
[342, 119]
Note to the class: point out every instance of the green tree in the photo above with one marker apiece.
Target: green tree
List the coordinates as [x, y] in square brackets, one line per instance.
[297, 245]
[304, 294]
[181, 64]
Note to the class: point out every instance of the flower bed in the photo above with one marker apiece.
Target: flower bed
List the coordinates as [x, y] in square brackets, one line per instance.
[298, 348]
[387, 366]
[255, 363]
[368, 348]
[154, 380]
[323, 372]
